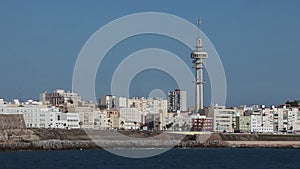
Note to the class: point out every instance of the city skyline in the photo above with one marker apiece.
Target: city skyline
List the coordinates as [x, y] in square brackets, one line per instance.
[186, 108]
[258, 49]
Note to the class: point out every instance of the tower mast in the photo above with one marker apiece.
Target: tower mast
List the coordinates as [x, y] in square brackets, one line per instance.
[198, 56]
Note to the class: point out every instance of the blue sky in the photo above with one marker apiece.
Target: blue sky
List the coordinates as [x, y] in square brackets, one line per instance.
[258, 43]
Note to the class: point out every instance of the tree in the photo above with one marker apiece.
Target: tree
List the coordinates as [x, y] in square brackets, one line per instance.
[184, 127]
[294, 103]
[276, 128]
[110, 123]
[80, 124]
[135, 124]
[169, 125]
[218, 124]
[232, 126]
[159, 123]
[248, 124]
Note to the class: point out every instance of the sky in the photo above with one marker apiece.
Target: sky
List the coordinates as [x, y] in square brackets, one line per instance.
[257, 41]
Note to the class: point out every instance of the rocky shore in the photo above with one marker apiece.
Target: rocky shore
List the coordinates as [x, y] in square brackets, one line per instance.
[58, 139]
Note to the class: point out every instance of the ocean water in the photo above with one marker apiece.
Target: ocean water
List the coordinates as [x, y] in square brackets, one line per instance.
[210, 158]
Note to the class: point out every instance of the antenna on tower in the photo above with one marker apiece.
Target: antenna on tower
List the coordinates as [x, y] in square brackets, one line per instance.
[198, 25]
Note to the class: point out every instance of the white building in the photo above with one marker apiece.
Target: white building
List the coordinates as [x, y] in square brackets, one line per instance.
[41, 116]
[86, 117]
[177, 100]
[151, 105]
[122, 103]
[66, 120]
[131, 114]
[101, 120]
[110, 102]
[260, 124]
[59, 98]
[298, 122]
[223, 120]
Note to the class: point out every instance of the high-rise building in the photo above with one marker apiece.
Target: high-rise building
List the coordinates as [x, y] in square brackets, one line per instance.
[112, 102]
[108, 102]
[198, 56]
[177, 100]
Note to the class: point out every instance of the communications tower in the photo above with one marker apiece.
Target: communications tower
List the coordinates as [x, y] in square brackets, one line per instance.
[198, 56]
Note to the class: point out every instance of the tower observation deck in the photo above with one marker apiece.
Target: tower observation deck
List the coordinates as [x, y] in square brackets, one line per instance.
[198, 56]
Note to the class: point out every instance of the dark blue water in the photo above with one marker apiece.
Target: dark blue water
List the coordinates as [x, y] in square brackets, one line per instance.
[173, 159]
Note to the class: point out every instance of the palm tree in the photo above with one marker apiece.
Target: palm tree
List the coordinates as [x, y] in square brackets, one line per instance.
[109, 121]
[122, 123]
[169, 125]
[80, 124]
[248, 124]
[277, 128]
[158, 124]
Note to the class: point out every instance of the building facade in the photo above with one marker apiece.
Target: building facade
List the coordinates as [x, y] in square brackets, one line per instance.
[177, 100]
[202, 123]
[60, 98]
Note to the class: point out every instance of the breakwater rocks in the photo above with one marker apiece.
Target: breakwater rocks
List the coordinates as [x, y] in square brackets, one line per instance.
[59, 139]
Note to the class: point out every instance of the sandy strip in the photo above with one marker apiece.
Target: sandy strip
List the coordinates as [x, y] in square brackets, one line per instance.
[264, 142]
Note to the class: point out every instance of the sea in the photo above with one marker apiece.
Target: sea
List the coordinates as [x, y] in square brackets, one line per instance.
[206, 158]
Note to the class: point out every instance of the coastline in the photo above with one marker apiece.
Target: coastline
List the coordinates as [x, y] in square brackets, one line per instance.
[60, 139]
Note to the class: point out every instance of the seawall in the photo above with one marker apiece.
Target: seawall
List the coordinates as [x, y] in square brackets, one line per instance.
[59, 139]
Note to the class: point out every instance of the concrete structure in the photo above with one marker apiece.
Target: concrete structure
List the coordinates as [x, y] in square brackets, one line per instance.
[259, 125]
[297, 129]
[177, 101]
[131, 114]
[223, 118]
[89, 104]
[285, 119]
[110, 102]
[2, 102]
[292, 119]
[202, 123]
[60, 98]
[198, 57]
[41, 116]
[66, 120]
[114, 119]
[153, 121]
[122, 102]
[151, 105]
[86, 117]
[12, 121]
[101, 121]
[244, 124]
[180, 121]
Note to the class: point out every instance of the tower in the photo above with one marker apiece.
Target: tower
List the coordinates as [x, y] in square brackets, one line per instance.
[198, 56]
